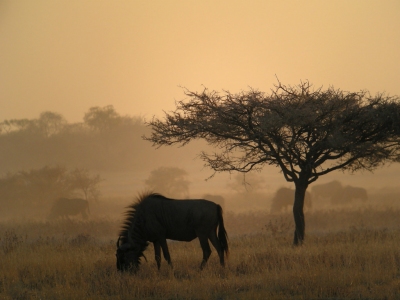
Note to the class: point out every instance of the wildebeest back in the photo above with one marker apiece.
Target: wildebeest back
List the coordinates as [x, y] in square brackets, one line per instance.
[178, 219]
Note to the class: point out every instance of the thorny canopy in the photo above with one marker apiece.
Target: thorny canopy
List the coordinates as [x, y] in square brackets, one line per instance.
[306, 132]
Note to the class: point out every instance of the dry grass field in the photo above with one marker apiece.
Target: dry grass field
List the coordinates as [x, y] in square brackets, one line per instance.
[347, 255]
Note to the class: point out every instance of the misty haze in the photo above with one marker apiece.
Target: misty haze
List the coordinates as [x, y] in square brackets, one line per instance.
[43, 157]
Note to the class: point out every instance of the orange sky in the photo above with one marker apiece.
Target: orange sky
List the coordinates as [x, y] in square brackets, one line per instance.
[67, 56]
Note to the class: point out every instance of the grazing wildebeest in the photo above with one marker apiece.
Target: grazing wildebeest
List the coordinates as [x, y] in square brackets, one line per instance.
[348, 194]
[155, 218]
[284, 198]
[65, 207]
[326, 190]
[337, 194]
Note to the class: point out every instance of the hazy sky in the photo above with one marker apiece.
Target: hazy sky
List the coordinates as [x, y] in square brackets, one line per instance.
[67, 56]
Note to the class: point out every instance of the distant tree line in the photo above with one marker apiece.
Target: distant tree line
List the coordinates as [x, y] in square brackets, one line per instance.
[35, 190]
[105, 140]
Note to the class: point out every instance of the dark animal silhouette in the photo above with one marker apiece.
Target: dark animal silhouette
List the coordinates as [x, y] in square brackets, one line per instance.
[284, 198]
[326, 190]
[348, 194]
[336, 194]
[155, 218]
[65, 207]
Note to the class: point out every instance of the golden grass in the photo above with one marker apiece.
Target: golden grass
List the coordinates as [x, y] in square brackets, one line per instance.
[354, 255]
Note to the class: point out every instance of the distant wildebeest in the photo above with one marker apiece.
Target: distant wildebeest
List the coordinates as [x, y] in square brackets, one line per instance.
[337, 194]
[65, 207]
[216, 199]
[284, 198]
[326, 190]
[155, 218]
[348, 194]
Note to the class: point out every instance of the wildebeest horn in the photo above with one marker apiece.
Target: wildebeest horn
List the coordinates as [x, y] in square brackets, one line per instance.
[124, 246]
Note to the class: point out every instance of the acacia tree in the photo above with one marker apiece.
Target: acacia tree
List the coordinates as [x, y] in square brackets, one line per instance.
[306, 132]
[81, 180]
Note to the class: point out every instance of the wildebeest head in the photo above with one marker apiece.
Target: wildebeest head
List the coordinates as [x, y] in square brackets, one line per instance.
[127, 257]
[129, 254]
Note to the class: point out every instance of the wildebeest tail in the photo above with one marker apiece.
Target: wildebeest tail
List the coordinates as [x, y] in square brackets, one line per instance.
[222, 235]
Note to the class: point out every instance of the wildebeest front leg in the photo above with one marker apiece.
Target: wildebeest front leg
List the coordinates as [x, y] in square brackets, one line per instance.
[157, 253]
[165, 250]
[206, 249]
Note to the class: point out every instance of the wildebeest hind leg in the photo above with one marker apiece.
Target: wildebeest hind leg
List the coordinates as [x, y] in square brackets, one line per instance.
[217, 245]
[157, 253]
[165, 250]
[206, 249]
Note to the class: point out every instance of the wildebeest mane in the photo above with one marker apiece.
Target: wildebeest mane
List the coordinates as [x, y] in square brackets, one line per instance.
[133, 225]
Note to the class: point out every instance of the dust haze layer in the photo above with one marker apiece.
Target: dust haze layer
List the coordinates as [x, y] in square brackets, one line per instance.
[68, 56]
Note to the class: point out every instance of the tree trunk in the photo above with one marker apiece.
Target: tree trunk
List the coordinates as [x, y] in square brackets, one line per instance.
[298, 213]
